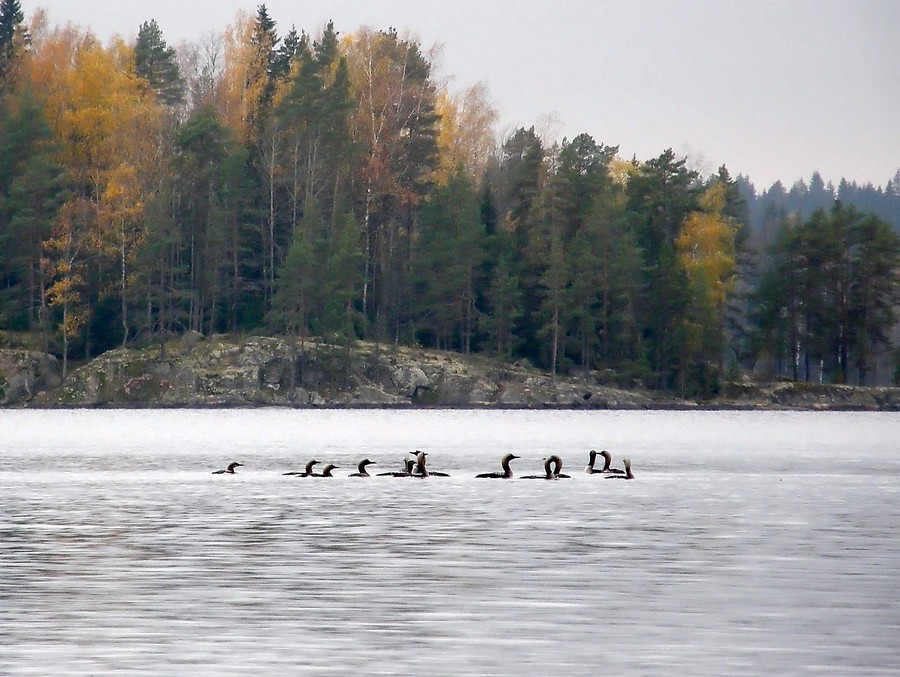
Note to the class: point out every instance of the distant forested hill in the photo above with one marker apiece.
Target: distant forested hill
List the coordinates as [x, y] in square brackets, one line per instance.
[803, 198]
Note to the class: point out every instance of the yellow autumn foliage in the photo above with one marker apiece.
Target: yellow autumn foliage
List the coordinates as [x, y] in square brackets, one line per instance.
[706, 247]
[107, 126]
[466, 135]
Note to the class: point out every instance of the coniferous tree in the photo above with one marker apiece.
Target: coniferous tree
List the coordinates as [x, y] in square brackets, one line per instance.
[519, 180]
[286, 54]
[35, 201]
[243, 300]
[660, 195]
[12, 34]
[737, 326]
[33, 188]
[263, 140]
[827, 299]
[314, 115]
[519, 177]
[583, 195]
[203, 149]
[449, 256]
[503, 303]
[500, 293]
[342, 279]
[298, 280]
[554, 305]
[160, 268]
[157, 63]
[606, 285]
[582, 175]
[823, 273]
[874, 290]
[774, 309]
[262, 69]
[312, 118]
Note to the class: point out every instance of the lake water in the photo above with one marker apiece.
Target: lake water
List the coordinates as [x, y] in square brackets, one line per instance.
[749, 543]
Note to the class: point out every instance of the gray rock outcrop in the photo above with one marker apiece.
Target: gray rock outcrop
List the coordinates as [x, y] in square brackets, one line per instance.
[24, 374]
[259, 371]
[197, 371]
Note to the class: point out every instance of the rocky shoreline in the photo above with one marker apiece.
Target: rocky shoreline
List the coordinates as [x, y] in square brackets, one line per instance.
[224, 371]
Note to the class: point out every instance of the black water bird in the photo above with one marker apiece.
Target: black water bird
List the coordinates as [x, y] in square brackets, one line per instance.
[607, 457]
[229, 470]
[556, 461]
[306, 473]
[408, 465]
[548, 472]
[507, 471]
[552, 467]
[421, 470]
[326, 471]
[362, 468]
[627, 475]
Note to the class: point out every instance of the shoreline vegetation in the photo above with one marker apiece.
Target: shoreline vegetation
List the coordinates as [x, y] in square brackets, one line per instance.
[282, 183]
[178, 225]
[223, 371]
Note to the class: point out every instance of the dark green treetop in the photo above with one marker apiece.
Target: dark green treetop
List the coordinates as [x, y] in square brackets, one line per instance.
[155, 62]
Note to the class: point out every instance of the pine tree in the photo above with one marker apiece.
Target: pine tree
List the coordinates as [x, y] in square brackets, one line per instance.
[874, 288]
[519, 177]
[829, 295]
[582, 174]
[660, 195]
[555, 306]
[606, 283]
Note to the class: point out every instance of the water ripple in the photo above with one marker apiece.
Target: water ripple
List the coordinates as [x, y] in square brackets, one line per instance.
[732, 553]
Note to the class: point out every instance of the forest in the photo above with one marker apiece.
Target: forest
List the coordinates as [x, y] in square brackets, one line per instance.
[330, 187]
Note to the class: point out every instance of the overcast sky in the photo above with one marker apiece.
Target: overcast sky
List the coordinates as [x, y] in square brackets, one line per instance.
[773, 89]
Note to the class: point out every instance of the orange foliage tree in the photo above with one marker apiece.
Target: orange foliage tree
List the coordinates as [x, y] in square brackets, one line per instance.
[107, 126]
[396, 125]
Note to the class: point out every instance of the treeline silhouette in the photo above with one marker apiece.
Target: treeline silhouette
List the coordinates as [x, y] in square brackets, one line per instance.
[776, 203]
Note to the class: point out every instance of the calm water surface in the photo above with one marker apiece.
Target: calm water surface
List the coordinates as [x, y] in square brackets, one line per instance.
[750, 543]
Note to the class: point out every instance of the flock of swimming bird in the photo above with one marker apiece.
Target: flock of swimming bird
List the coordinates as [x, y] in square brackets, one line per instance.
[416, 467]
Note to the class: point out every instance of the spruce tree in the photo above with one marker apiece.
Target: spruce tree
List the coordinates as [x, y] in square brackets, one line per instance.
[503, 305]
[33, 188]
[342, 279]
[12, 33]
[288, 51]
[298, 286]
[157, 63]
[448, 257]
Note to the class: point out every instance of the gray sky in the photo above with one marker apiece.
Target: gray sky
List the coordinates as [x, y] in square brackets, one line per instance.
[774, 89]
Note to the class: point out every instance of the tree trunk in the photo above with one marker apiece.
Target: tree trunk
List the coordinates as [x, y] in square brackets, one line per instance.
[122, 289]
